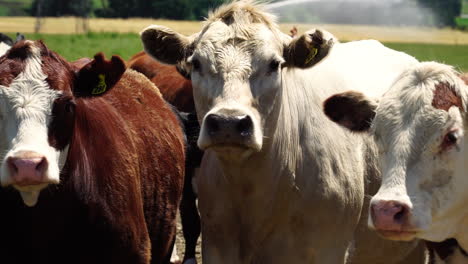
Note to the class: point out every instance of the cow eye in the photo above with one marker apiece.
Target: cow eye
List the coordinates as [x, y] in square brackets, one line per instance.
[274, 64]
[451, 138]
[450, 141]
[69, 107]
[196, 65]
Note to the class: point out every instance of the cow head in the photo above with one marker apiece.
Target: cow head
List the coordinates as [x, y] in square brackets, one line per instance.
[236, 65]
[419, 126]
[38, 95]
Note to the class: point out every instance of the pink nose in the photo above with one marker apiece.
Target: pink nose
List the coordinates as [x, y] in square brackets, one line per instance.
[28, 170]
[389, 215]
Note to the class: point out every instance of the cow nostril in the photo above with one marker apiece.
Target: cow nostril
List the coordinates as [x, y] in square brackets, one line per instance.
[212, 123]
[245, 126]
[42, 166]
[401, 213]
[12, 166]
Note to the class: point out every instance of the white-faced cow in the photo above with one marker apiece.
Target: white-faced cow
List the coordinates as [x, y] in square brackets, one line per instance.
[92, 161]
[419, 126]
[279, 183]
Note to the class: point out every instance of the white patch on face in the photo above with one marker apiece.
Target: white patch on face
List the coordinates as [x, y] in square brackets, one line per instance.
[418, 168]
[239, 80]
[25, 114]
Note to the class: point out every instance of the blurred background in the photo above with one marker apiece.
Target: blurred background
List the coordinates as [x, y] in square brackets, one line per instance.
[426, 29]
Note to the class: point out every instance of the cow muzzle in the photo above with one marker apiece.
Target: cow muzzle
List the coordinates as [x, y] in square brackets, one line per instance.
[228, 131]
[28, 173]
[392, 220]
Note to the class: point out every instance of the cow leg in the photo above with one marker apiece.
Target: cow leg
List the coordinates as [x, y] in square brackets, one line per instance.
[190, 219]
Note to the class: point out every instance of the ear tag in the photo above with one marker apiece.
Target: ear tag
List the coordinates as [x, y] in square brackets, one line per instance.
[101, 86]
[311, 56]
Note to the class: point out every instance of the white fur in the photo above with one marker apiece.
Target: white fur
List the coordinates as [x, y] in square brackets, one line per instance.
[409, 131]
[25, 113]
[4, 48]
[298, 199]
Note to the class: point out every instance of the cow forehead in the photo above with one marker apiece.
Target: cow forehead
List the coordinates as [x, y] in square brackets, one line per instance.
[29, 92]
[445, 97]
[246, 37]
[415, 102]
[31, 59]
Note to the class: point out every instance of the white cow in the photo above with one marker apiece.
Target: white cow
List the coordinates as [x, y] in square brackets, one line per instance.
[419, 126]
[279, 183]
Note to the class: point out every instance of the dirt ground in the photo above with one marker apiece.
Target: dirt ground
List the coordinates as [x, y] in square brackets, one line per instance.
[181, 243]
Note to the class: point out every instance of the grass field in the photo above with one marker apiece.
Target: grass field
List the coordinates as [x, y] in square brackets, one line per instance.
[74, 46]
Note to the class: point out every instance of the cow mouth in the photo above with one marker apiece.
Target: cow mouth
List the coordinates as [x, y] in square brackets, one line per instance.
[30, 193]
[399, 235]
[233, 147]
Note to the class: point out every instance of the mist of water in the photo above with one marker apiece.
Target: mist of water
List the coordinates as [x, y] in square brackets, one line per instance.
[370, 12]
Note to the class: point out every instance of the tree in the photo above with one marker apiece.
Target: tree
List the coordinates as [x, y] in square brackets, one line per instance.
[170, 9]
[445, 11]
[80, 8]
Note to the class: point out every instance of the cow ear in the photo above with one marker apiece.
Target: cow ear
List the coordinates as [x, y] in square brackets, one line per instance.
[308, 49]
[164, 44]
[97, 77]
[352, 110]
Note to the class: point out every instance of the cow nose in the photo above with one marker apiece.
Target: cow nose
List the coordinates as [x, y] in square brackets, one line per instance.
[27, 171]
[238, 125]
[389, 215]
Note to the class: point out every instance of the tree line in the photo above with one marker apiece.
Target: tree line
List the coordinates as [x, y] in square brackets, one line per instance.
[445, 10]
[169, 9]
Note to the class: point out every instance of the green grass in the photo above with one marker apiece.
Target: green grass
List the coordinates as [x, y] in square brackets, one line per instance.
[73, 47]
[455, 55]
[77, 46]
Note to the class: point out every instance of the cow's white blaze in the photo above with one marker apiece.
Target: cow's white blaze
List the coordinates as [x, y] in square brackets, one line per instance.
[233, 76]
[25, 113]
[419, 170]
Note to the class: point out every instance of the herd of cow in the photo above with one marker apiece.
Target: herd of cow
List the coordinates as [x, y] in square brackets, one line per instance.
[299, 149]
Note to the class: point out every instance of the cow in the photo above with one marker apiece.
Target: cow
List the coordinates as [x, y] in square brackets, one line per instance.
[279, 182]
[92, 161]
[177, 90]
[419, 126]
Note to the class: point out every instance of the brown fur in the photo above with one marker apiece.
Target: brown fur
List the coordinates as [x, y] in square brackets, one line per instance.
[351, 110]
[174, 87]
[446, 97]
[177, 90]
[298, 52]
[122, 182]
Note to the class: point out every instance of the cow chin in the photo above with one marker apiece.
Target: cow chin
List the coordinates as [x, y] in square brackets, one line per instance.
[232, 150]
[30, 194]
[400, 235]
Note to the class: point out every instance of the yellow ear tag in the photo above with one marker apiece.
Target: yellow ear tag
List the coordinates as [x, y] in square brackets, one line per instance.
[313, 52]
[101, 86]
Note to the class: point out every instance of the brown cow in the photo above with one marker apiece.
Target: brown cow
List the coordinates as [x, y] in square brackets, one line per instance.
[177, 90]
[95, 154]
